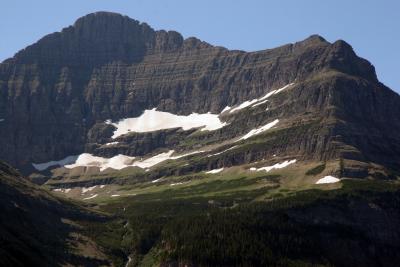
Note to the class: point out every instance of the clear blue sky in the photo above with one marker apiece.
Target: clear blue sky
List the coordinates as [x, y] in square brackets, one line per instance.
[372, 27]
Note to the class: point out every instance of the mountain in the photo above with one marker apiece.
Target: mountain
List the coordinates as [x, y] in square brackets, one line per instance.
[141, 148]
[57, 93]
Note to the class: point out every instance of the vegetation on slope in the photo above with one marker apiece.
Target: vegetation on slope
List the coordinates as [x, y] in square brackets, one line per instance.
[39, 229]
[310, 228]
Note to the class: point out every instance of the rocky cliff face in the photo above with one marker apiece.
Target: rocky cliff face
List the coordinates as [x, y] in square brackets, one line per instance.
[56, 94]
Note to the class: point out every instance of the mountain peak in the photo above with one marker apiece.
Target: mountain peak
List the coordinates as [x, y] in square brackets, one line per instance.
[312, 40]
[342, 57]
[102, 17]
[99, 38]
[315, 38]
[99, 14]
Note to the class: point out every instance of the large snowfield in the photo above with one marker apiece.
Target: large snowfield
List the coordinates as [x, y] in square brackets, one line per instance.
[153, 120]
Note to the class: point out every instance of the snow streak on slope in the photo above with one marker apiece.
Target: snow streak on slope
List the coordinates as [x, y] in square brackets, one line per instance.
[328, 180]
[226, 109]
[86, 198]
[153, 120]
[150, 162]
[179, 183]
[257, 101]
[275, 166]
[117, 162]
[111, 143]
[219, 153]
[87, 189]
[147, 163]
[244, 105]
[259, 130]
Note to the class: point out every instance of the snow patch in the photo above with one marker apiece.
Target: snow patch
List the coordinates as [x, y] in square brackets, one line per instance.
[153, 120]
[62, 190]
[260, 103]
[150, 162]
[90, 197]
[111, 143]
[87, 189]
[328, 180]
[244, 105]
[283, 88]
[259, 130]
[226, 109]
[118, 162]
[88, 160]
[173, 184]
[215, 171]
[156, 180]
[147, 163]
[46, 165]
[275, 166]
[117, 195]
